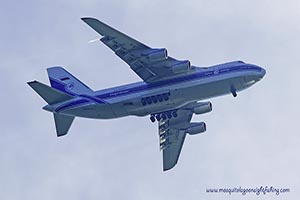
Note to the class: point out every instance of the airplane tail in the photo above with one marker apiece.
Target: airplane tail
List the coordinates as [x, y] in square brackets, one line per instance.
[64, 81]
[64, 86]
[53, 96]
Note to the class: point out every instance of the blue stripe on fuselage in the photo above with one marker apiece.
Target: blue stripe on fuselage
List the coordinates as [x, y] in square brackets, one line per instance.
[93, 99]
[71, 104]
[177, 80]
[202, 74]
[82, 101]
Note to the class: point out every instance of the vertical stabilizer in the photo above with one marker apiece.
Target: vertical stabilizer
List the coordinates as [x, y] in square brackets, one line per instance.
[53, 96]
[62, 124]
[62, 80]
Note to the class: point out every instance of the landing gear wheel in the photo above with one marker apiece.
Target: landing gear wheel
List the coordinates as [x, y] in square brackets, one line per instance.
[169, 115]
[160, 98]
[158, 118]
[152, 118]
[174, 113]
[166, 97]
[149, 100]
[143, 101]
[154, 99]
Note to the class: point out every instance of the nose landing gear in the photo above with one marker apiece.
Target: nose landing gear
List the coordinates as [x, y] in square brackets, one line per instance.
[233, 92]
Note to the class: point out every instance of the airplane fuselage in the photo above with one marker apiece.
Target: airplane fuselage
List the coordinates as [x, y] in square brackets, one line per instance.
[141, 99]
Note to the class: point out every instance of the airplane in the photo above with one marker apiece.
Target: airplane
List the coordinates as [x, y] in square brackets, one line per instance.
[171, 90]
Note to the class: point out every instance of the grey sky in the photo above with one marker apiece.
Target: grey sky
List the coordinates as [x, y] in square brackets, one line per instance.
[252, 140]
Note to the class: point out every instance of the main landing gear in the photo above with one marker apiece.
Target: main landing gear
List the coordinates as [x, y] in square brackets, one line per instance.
[155, 99]
[163, 115]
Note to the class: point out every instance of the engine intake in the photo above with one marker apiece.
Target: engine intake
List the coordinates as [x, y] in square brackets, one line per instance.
[157, 54]
[181, 66]
[196, 128]
[202, 108]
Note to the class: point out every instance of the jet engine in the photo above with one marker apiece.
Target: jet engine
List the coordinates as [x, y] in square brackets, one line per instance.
[202, 108]
[196, 128]
[157, 54]
[181, 66]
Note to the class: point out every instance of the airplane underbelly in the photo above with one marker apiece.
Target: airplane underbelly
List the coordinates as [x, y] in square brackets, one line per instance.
[105, 112]
[212, 89]
[87, 111]
[154, 102]
[96, 111]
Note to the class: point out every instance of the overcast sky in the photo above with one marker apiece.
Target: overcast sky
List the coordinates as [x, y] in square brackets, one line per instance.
[251, 141]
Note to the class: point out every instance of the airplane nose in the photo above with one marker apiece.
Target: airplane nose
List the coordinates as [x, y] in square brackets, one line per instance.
[263, 72]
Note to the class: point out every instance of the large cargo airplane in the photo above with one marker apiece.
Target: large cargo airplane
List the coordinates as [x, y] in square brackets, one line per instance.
[170, 92]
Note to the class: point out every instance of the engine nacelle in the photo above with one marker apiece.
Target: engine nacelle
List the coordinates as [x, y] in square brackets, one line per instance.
[181, 66]
[157, 54]
[196, 128]
[202, 108]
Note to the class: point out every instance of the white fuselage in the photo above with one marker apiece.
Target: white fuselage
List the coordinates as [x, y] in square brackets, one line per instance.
[141, 99]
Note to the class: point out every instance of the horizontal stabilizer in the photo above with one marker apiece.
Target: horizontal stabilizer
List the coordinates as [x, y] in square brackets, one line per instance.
[62, 124]
[49, 94]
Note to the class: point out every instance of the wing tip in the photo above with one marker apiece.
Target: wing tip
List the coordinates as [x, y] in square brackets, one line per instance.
[54, 67]
[168, 166]
[86, 19]
[32, 82]
[166, 169]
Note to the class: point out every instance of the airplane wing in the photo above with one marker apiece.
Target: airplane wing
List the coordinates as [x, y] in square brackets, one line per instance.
[172, 133]
[148, 63]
